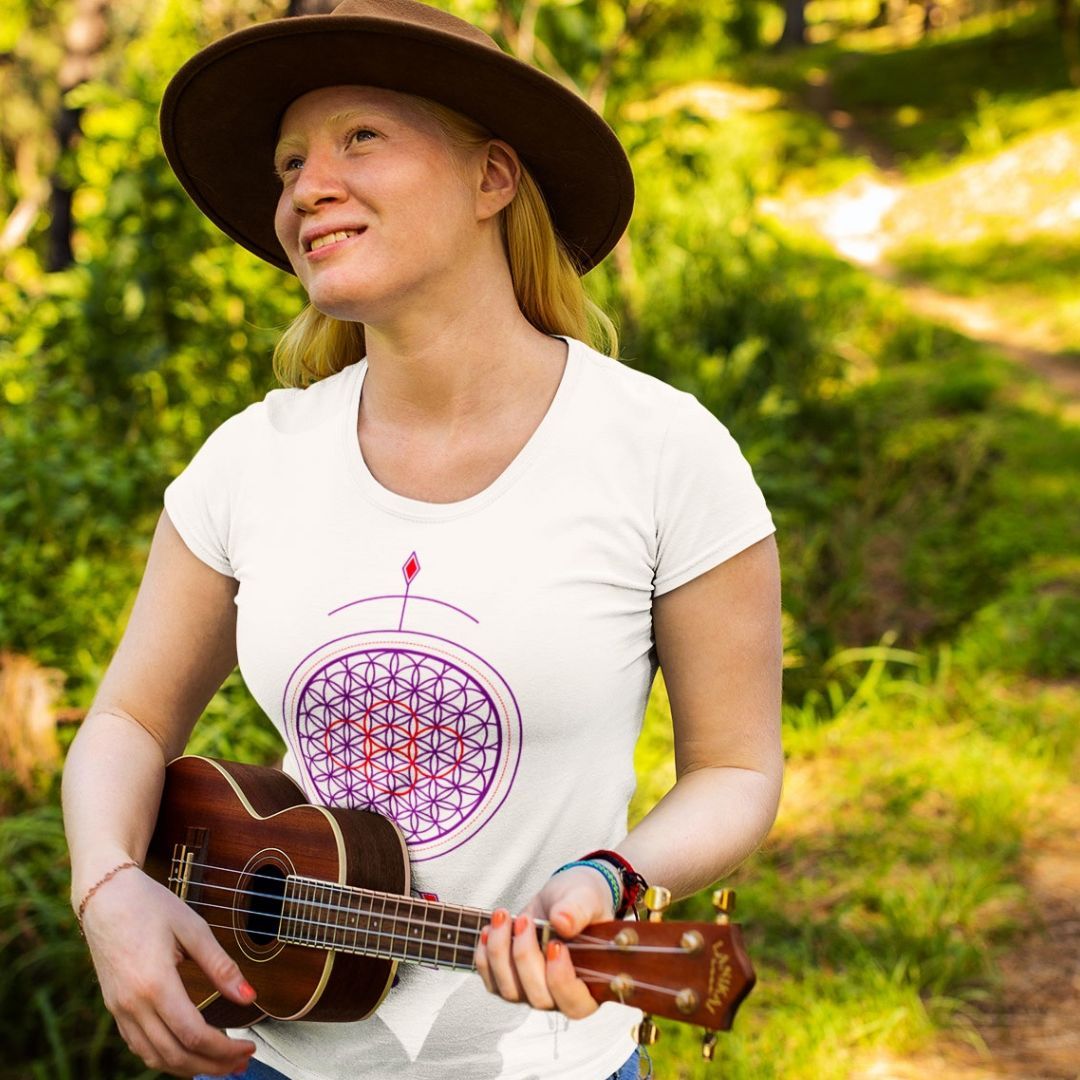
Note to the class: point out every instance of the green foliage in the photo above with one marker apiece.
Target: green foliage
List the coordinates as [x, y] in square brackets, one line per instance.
[971, 90]
[235, 728]
[1033, 626]
[1033, 279]
[57, 1027]
[1045, 263]
[114, 372]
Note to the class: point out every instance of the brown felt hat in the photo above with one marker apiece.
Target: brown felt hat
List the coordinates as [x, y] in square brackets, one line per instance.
[221, 112]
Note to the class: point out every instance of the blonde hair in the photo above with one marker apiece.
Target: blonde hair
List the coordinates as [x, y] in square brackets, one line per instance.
[548, 289]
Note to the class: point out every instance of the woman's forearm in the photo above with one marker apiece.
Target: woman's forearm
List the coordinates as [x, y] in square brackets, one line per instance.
[704, 827]
[111, 791]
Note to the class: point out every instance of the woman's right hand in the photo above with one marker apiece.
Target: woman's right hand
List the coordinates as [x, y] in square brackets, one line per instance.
[138, 932]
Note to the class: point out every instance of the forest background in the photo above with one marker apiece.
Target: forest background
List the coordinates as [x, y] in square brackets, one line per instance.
[856, 240]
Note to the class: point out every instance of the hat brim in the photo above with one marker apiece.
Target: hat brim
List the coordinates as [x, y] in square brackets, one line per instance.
[221, 111]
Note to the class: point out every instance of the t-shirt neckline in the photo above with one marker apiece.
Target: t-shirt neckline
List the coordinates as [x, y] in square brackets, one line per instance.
[401, 505]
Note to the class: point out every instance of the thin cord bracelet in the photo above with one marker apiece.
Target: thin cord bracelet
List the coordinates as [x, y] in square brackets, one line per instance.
[614, 884]
[608, 875]
[97, 885]
[633, 884]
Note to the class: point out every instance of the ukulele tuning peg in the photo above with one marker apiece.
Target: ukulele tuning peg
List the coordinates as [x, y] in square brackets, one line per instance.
[724, 902]
[708, 1045]
[657, 898]
[647, 1033]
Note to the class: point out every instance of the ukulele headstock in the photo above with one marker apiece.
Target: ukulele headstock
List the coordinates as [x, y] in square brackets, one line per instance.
[693, 972]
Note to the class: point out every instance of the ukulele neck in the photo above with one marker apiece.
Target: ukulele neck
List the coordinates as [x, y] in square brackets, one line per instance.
[369, 923]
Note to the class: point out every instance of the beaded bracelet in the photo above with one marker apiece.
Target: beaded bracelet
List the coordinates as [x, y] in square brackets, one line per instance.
[97, 885]
[609, 876]
[633, 884]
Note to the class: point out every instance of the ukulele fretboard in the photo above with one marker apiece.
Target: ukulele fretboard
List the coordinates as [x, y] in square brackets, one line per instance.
[379, 924]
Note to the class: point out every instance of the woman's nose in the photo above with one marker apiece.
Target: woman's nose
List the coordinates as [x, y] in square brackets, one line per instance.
[319, 182]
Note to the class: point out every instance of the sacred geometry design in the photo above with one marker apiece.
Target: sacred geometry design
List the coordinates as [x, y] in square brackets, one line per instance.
[413, 726]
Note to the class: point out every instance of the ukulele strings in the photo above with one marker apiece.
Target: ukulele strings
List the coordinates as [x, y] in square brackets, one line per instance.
[598, 976]
[584, 974]
[352, 889]
[584, 939]
[362, 892]
[581, 942]
[328, 907]
[356, 931]
[376, 953]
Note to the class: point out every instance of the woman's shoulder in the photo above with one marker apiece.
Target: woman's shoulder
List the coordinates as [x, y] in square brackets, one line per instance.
[619, 385]
[283, 411]
[291, 410]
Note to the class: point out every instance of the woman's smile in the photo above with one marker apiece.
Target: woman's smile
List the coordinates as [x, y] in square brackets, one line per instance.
[322, 246]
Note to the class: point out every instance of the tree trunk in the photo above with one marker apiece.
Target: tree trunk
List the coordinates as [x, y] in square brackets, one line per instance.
[933, 16]
[1069, 26]
[889, 11]
[882, 16]
[84, 43]
[794, 32]
[310, 7]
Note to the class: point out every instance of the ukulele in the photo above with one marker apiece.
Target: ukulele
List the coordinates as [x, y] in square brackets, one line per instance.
[313, 904]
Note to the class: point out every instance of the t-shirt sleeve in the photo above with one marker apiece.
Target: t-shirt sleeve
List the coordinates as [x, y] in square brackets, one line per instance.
[201, 501]
[708, 505]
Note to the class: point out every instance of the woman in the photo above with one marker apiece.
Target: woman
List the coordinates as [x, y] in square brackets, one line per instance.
[562, 524]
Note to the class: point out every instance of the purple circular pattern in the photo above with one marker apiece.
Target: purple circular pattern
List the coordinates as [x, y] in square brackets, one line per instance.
[410, 735]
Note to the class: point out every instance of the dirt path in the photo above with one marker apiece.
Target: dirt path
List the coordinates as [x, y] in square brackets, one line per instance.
[1031, 1030]
[852, 220]
[1034, 1030]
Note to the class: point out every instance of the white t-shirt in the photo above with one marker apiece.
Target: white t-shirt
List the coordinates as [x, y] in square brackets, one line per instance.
[477, 670]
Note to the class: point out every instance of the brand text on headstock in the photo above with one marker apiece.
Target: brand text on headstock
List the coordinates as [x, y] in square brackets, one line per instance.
[720, 976]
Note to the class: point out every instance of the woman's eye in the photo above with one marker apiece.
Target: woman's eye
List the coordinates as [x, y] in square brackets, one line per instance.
[359, 131]
[286, 166]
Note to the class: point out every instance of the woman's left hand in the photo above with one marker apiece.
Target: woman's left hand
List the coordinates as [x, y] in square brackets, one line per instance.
[508, 954]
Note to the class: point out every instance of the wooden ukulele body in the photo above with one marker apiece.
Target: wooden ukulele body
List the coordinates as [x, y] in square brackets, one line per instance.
[259, 822]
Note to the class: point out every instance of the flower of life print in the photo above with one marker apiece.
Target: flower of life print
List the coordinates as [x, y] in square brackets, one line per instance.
[411, 725]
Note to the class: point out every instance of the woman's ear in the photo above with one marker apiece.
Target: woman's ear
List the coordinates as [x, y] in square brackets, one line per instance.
[500, 175]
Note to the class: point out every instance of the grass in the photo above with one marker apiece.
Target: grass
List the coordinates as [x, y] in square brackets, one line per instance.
[956, 96]
[936, 99]
[1031, 282]
[46, 977]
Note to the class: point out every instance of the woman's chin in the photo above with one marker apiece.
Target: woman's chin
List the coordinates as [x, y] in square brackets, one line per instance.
[340, 301]
[369, 295]
[343, 312]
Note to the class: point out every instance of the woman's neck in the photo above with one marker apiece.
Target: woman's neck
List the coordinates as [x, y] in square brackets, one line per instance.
[446, 383]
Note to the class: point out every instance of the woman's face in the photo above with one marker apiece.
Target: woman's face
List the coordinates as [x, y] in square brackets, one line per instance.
[366, 162]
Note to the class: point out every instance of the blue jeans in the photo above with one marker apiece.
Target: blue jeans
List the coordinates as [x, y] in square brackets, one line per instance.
[256, 1070]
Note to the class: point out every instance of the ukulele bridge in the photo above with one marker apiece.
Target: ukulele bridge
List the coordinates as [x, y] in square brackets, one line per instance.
[185, 860]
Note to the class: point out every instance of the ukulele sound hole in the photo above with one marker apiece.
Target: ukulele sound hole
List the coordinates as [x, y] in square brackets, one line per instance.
[264, 914]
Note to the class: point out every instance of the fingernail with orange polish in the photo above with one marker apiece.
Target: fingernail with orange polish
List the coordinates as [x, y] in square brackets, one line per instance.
[521, 924]
[484, 935]
[500, 917]
[247, 990]
[554, 950]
